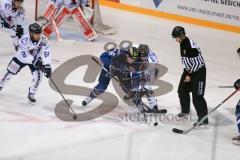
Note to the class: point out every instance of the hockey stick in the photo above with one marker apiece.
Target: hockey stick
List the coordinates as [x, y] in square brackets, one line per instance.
[44, 24]
[179, 131]
[52, 21]
[74, 114]
[59, 38]
[117, 80]
[221, 87]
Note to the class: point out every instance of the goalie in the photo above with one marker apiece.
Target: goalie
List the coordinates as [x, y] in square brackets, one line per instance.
[59, 10]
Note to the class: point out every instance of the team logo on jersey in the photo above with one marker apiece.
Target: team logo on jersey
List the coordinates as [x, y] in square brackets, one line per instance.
[7, 6]
[157, 2]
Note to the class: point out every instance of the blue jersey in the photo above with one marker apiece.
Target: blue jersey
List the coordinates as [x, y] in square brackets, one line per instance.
[107, 56]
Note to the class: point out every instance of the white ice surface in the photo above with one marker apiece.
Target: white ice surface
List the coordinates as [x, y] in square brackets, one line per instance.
[35, 133]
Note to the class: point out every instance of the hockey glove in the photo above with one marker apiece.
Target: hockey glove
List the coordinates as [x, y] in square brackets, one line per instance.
[19, 31]
[112, 71]
[237, 84]
[108, 75]
[47, 69]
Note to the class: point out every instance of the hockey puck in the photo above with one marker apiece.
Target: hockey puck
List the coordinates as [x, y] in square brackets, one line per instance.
[84, 103]
[155, 124]
[74, 117]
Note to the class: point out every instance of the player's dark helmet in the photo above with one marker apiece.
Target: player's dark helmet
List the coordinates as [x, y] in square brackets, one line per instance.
[143, 50]
[133, 53]
[35, 28]
[178, 31]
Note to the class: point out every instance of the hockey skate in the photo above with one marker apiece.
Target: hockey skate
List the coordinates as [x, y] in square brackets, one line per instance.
[31, 100]
[183, 115]
[204, 124]
[87, 100]
[1, 88]
[236, 140]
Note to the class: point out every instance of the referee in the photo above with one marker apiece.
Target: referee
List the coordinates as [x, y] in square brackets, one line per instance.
[193, 78]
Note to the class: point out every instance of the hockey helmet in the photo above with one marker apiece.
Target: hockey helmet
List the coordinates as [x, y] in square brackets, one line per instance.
[143, 50]
[35, 28]
[133, 53]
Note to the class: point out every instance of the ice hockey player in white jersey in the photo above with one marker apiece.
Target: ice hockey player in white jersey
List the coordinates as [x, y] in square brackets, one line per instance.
[33, 52]
[12, 17]
[147, 71]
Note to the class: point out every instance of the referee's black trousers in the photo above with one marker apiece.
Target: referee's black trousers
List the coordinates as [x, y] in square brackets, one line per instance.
[197, 87]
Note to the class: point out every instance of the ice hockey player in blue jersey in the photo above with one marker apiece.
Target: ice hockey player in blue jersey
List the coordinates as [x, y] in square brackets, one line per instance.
[33, 52]
[236, 140]
[115, 61]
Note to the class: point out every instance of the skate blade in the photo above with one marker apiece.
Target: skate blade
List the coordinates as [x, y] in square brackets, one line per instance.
[202, 127]
[31, 103]
[236, 142]
[183, 119]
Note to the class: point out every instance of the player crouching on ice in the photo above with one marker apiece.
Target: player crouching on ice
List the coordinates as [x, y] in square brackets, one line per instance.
[122, 64]
[33, 52]
[236, 140]
[12, 17]
[146, 70]
[111, 60]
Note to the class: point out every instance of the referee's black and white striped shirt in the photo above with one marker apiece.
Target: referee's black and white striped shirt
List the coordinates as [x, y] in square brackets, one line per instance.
[191, 55]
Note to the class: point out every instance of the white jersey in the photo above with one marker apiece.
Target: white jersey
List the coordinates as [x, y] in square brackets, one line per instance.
[12, 17]
[28, 51]
[152, 58]
[68, 3]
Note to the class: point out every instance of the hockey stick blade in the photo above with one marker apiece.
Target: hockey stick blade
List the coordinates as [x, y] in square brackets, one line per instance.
[179, 131]
[160, 111]
[221, 87]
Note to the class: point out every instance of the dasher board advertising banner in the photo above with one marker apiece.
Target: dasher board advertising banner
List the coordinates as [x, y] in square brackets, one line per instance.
[220, 11]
